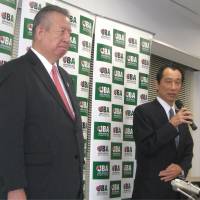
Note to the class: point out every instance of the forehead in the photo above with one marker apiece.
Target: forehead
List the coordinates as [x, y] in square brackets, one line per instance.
[171, 73]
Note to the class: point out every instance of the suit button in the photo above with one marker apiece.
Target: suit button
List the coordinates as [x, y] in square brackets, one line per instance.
[76, 156]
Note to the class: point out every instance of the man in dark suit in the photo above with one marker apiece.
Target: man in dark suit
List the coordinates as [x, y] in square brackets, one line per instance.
[41, 142]
[164, 146]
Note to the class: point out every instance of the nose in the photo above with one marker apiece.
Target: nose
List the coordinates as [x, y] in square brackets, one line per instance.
[66, 36]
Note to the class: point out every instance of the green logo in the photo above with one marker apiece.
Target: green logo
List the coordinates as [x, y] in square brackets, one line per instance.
[145, 46]
[102, 130]
[116, 151]
[119, 38]
[130, 96]
[117, 113]
[10, 3]
[28, 26]
[83, 104]
[127, 169]
[84, 65]
[86, 26]
[101, 170]
[73, 42]
[104, 53]
[115, 189]
[143, 81]
[6, 43]
[103, 92]
[131, 60]
[128, 133]
[118, 75]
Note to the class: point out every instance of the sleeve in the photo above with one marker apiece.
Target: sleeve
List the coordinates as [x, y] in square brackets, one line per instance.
[12, 117]
[187, 151]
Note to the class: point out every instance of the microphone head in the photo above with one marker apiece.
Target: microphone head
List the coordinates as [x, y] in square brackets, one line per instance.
[179, 104]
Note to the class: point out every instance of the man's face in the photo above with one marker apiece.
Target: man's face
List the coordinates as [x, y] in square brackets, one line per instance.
[54, 41]
[170, 85]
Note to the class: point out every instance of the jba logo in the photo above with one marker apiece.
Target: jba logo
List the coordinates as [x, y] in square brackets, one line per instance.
[119, 57]
[86, 24]
[85, 64]
[105, 72]
[131, 59]
[73, 20]
[84, 84]
[35, 6]
[5, 40]
[116, 149]
[143, 98]
[129, 131]
[145, 46]
[102, 149]
[130, 95]
[105, 51]
[103, 129]
[105, 33]
[102, 168]
[132, 42]
[104, 109]
[117, 130]
[127, 170]
[102, 188]
[117, 93]
[116, 169]
[118, 74]
[115, 189]
[128, 149]
[104, 90]
[145, 62]
[7, 17]
[29, 27]
[83, 104]
[119, 38]
[131, 77]
[86, 45]
[129, 113]
[127, 187]
[117, 111]
[69, 62]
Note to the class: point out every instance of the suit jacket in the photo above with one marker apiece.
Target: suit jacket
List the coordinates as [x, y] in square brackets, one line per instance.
[41, 147]
[156, 149]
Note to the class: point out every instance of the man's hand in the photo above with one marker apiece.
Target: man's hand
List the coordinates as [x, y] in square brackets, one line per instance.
[182, 116]
[18, 194]
[171, 172]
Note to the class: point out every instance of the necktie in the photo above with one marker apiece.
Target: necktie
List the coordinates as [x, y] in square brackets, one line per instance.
[171, 114]
[57, 83]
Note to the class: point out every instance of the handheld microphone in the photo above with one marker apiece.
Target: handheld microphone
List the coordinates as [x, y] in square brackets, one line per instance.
[178, 184]
[179, 105]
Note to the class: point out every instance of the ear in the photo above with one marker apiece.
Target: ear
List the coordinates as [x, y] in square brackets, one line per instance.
[40, 30]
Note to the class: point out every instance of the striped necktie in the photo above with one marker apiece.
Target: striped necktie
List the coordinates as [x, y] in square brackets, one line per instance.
[171, 114]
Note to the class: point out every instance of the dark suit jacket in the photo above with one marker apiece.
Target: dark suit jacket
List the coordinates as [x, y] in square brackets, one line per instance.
[156, 149]
[41, 147]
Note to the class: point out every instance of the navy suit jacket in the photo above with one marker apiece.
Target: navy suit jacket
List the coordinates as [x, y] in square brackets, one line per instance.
[156, 149]
[41, 147]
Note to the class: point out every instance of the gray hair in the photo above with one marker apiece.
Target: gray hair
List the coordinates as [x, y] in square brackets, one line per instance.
[41, 16]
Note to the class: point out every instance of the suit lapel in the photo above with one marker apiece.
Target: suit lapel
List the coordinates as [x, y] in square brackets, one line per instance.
[43, 75]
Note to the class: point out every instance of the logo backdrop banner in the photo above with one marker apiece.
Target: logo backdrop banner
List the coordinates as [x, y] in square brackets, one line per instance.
[120, 83]
[7, 24]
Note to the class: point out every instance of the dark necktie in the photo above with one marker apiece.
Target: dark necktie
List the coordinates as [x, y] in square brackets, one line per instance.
[61, 92]
[171, 114]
